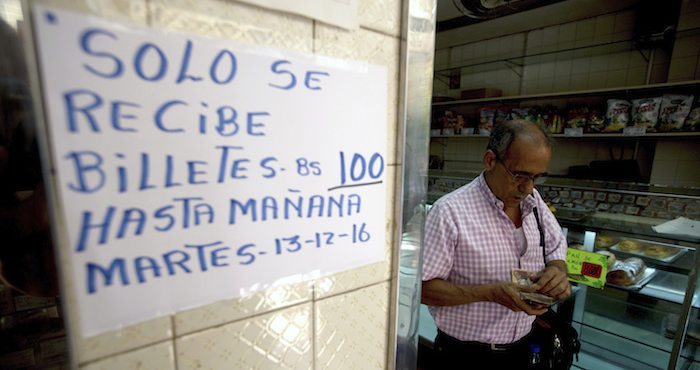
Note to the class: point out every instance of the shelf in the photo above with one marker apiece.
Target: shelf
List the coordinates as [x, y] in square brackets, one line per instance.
[581, 93]
[668, 286]
[459, 137]
[590, 136]
[623, 136]
[640, 227]
[665, 286]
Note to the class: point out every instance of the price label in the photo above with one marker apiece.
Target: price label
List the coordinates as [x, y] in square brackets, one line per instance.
[586, 267]
[634, 131]
[573, 131]
[591, 269]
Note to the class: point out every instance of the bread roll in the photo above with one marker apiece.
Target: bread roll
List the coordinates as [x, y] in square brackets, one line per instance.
[658, 251]
[604, 241]
[629, 246]
[626, 272]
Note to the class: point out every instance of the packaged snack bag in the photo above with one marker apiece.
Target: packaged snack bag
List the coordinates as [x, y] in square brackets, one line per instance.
[692, 122]
[519, 113]
[487, 116]
[551, 120]
[501, 115]
[460, 124]
[534, 116]
[617, 116]
[645, 113]
[595, 121]
[674, 109]
[557, 126]
[576, 117]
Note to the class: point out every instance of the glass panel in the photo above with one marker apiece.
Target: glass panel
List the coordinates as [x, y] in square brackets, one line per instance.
[32, 331]
[690, 351]
[626, 329]
[690, 354]
[418, 51]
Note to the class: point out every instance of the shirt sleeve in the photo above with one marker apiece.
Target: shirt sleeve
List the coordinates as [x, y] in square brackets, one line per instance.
[438, 243]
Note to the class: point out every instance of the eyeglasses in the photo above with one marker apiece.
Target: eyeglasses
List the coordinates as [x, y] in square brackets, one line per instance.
[522, 178]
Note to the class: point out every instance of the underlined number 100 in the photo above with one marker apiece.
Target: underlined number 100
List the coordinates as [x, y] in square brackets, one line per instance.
[358, 168]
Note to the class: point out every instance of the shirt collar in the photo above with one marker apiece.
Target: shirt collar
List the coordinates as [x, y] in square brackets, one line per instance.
[526, 205]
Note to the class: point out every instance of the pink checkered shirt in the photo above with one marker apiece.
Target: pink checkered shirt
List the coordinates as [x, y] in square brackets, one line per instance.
[470, 240]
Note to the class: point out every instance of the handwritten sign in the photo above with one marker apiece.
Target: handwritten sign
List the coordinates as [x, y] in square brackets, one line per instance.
[586, 267]
[191, 170]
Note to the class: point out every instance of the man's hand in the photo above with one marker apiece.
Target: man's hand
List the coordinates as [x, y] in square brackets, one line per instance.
[508, 295]
[553, 281]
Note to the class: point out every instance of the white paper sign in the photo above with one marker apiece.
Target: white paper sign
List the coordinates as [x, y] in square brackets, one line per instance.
[192, 170]
[679, 226]
[341, 13]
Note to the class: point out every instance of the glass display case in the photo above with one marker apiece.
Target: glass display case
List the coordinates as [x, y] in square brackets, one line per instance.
[636, 325]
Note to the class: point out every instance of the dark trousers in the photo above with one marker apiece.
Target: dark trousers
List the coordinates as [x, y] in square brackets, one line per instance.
[451, 353]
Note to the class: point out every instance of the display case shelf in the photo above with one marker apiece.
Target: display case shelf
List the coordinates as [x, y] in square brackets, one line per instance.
[620, 224]
[617, 321]
[637, 90]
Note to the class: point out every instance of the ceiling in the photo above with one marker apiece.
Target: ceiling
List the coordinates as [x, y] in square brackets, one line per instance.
[552, 13]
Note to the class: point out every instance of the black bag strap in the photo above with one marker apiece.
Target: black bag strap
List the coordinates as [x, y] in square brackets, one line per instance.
[539, 228]
[568, 335]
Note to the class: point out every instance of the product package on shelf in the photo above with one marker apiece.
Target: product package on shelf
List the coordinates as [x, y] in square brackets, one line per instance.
[645, 113]
[596, 120]
[551, 119]
[449, 123]
[692, 122]
[617, 115]
[673, 112]
[576, 116]
[487, 118]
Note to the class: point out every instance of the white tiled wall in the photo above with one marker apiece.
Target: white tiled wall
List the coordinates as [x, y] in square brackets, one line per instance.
[604, 57]
[677, 163]
[685, 64]
[334, 322]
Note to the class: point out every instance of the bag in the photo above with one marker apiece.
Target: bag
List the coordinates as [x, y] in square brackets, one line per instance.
[558, 341]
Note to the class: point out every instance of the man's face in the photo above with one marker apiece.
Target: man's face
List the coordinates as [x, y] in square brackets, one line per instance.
[511, 178]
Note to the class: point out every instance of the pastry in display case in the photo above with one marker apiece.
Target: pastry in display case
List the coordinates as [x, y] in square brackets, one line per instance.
[632, 273]
[604, 241]
[655, 250]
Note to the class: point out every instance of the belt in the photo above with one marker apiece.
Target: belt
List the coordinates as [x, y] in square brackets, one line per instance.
[493, 347]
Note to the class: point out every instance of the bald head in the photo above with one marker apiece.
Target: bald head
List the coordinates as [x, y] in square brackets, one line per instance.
[504, 134]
